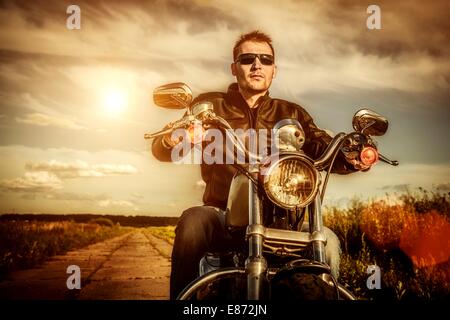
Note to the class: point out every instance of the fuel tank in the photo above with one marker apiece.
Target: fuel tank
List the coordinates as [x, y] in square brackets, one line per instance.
[237, 205]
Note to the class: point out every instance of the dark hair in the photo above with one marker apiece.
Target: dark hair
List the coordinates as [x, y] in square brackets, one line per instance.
[256, 36]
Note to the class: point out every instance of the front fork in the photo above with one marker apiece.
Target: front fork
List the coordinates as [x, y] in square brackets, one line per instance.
[256, 264]
[316, 229]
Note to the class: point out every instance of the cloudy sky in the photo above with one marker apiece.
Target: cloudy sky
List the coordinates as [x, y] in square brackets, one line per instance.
[75, 104]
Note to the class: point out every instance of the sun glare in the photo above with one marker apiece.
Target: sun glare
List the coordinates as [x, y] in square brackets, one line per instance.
[115, 101]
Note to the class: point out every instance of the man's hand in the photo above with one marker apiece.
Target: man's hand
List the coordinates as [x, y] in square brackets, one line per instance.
[362, 160]
[358, 165]
[195, 134]
[359, 152]
[168, 142]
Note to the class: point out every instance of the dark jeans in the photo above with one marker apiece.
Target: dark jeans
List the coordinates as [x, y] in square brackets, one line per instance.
[202, 229]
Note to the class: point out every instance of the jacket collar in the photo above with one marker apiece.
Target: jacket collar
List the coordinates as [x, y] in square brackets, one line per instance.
[238, 100]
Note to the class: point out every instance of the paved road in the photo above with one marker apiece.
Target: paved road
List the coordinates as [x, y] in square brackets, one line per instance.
[132, 266]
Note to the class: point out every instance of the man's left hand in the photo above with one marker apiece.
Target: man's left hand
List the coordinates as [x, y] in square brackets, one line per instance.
[358, 165]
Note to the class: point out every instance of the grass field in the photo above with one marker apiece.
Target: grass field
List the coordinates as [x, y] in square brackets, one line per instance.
[24, 244]
[409, 240]
[166, 233]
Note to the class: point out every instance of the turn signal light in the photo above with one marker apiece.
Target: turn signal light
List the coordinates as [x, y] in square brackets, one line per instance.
[369, 156]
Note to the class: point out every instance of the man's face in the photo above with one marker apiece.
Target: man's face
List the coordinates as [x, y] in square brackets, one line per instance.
[256, 77]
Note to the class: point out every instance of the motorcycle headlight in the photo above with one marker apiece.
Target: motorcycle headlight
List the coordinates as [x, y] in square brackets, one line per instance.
[291, 181]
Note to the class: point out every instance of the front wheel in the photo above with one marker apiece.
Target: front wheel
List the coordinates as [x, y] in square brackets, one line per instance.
[207, 287]
[305, 286]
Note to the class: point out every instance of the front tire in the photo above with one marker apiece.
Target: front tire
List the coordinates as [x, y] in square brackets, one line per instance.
[302, 286]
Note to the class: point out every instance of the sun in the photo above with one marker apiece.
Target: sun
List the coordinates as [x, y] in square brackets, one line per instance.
[115, 100]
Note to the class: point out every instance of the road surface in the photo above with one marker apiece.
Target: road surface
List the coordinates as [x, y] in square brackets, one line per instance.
[133, 266]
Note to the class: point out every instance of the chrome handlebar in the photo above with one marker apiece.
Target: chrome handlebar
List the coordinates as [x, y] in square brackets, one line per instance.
[206, 118]
[149, 136]
[325, 159]
[183, 122]
[321, 163]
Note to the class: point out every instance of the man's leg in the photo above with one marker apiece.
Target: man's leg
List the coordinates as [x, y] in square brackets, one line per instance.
[200, 229]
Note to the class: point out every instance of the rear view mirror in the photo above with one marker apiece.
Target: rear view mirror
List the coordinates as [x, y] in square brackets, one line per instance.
[369, 122]
[173, 96]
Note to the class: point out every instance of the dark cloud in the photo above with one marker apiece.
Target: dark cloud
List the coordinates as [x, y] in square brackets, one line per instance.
[198, 16]
[26, 62]
[35, 13]
[407, 27]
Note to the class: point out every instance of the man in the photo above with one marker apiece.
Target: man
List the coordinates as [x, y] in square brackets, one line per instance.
[247, 104]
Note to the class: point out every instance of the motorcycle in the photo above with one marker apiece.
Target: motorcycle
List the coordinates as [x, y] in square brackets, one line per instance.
[282, 260]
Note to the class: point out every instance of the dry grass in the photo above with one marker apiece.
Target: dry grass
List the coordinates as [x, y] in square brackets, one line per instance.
[166, 233]
[409, 241]
[24, 244]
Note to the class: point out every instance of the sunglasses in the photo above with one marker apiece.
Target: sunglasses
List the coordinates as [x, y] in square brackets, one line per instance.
[249, 58]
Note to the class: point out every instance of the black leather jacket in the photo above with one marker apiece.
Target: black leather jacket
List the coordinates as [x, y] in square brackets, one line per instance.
[233, 108]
